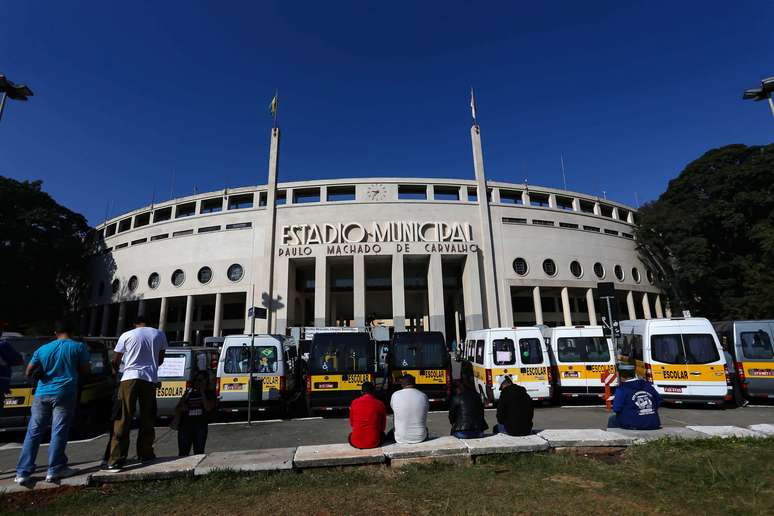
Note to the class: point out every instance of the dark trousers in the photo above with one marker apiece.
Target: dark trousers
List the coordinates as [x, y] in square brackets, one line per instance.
[131, 393]
[191, 435]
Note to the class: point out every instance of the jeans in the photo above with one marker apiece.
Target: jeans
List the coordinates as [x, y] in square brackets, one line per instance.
[469, 434]
[60, 409]
[188, 435]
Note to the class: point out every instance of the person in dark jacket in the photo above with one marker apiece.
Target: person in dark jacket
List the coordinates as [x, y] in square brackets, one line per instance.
[466, 413]
[514, 409]
[636, 403]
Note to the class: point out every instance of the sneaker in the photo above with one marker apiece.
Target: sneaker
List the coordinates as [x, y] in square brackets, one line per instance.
[149, 458]
[115, 468]
[62, 473]
[22, 480]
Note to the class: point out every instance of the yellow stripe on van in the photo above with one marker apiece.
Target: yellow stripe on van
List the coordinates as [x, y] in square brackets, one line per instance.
[758, 369]
[336, 382]
[18, 398]
[579, 372]
[423, 376]
[171, 389]
[239, 383]
[687, 373]
[530, 374]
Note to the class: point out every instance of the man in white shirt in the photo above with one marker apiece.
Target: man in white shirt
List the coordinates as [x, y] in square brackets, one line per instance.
[410, 407]
[142, 352]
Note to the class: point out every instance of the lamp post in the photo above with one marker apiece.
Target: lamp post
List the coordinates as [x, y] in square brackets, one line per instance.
[762, 93]
[14, 91]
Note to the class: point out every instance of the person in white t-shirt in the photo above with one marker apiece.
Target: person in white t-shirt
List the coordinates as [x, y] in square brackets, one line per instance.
[142, 352]
[409, 407]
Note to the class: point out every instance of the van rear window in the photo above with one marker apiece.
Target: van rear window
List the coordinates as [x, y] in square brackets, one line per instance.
[583, 349]
[341, 353]
[504, 352]
[757, 345]
[700, 348]
[687, 348]
[530, 351]
[238, 359]
[420, 351]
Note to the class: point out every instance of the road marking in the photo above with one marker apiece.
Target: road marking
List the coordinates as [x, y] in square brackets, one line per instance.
[583, 406]
[674, 419]
[245, 422]
[306, 418]
[750, 405]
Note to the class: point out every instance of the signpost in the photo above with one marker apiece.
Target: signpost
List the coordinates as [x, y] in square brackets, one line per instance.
[610, 326]
[254, 312]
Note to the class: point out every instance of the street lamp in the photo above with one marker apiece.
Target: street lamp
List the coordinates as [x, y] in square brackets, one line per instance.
[15, 91]
[762, 93]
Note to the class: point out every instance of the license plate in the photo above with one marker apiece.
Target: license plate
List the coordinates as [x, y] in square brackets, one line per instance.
[232, 387]
[673, 389]
[12, 402]
[760, 372]
[328, 385]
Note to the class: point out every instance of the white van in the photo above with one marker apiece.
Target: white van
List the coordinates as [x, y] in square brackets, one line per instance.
[681, 357]
[516, 352]
[275, 374]
[581, 356]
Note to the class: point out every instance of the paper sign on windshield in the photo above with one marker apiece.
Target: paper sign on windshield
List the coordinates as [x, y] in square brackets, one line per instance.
[504, 357]
[171, 367]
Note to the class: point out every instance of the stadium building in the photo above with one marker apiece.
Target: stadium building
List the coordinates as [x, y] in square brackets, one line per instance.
[432, 254]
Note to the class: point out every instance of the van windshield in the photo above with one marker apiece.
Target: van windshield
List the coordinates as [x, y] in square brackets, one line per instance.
[238, 359]
[504, 352]
[757, 345]
[530, 351]
[696, 348]
[583, 349]
[419, 351]
[341, 353]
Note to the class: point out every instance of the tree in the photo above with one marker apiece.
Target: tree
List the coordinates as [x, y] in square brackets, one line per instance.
[43, 249]
[711, 235]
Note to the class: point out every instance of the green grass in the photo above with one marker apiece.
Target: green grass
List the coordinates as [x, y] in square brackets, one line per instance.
[733, 476]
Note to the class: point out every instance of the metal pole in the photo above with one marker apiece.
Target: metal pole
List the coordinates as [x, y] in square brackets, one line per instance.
[252, 360]
[771, 105]
[2, 105]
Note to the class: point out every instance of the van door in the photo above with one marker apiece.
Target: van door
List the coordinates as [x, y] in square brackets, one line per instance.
[756, 355]
[667, 357]
[706, 371]
[533, 366]
[596, 354]
[173, 374]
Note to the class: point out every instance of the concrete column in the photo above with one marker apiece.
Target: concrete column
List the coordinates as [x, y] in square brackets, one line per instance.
[615, 213]
[659, 312]
[645, 305]
[163, 314]
[538, 305]
[525, 198]
[566, 307]
[93, 321]
[358, 289]
[597, 209]
[630, 218]
[668, 312]
[471, 294]
[435, 294]
[591, 307]
[552, 200]
[217, 322]
[630, 305]
[576, 204]
[398, 294]
[320, 290]
[103, 330]
[189, 312]
[141, 308]
[283, 308]
[495, 195]
[121, 324]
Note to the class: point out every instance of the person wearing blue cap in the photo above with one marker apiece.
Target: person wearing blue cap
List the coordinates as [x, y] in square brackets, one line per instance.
[636, 403]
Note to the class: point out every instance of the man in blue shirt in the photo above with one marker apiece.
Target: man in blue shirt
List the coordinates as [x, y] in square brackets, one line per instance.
[636, 403]
[9, 358]
[57, 366]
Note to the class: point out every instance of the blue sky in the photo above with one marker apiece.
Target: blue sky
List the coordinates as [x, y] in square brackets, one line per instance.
[126, 93]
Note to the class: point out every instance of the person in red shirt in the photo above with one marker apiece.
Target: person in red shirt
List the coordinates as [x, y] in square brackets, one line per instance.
[368, 419]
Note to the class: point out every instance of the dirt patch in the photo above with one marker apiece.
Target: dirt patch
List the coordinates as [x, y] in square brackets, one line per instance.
[13, 502]
[576, 481]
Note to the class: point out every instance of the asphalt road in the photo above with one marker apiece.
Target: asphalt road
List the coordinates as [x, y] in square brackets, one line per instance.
[273, 433]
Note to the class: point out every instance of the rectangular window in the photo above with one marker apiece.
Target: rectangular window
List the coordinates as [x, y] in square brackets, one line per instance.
[623, 214]
[509, 220]
[583, 349]
[239, 225]
[700, 348]
[159, 237]
[183, 233]
[564, 203]
[607, 211]
[124, 225]
[209, 229]
[627, 235]
[412, 192]
[472, 195]
[162, 214]
[480, 352]
[212, 205]
[281, 198]
[143, 219]
[446, 193]
[237, 359]
[530, 351]
[522, 304]
[185, 210]
[667, 349]
[504, 352]
[121, 246]
[542, 222]
[757, 345]
[419, 351]
[262, 199]
[548, 304]
[139, 241]
[110, 230]
[306, 195]
[591, 228]
[333, 353]
[587, 207]
[510, 197]
[540, 200]
[240, 202]
[567, 225]
[611, 232]
[340, 193]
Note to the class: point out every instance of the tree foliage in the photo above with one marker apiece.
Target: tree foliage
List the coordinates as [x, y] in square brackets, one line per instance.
[711, 235]
[43, 247]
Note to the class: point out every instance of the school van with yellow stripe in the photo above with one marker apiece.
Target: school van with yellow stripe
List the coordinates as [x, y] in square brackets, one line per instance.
[423, 355]
[338, 365]
[681, 357]
[273, 380]
[581, 357]
[519, 353]
[751, 344]
[176, 373]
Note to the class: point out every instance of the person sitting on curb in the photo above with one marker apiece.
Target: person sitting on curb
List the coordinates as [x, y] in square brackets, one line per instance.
[466, 412]
[409, 407]
[514, 409]
[636, 402]
[368, 419]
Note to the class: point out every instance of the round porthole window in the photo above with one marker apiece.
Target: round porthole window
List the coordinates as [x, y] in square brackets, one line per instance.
[235, 272]
[115, 286]
[204, 275]
[649, 275]
[619, 273]
[178, 277]
[132, 284]
[154, 280]
[576, 269]
[549, 267]
[636, 274]
[520, 266]
[599, 270]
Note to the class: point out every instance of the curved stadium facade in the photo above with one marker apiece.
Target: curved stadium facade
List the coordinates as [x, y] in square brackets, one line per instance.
[432, 254]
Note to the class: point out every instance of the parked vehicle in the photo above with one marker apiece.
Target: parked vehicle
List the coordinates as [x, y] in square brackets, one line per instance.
[423, 355]
[177, 372]
[751, 346]
[338, 365]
